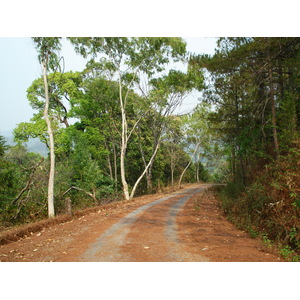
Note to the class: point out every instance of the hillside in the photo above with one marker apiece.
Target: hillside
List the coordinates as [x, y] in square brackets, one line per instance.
[33, 145]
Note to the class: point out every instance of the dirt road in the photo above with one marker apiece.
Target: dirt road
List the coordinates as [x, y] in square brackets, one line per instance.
[183, 226]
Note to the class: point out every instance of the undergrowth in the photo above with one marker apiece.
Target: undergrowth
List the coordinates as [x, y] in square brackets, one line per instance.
[269, 208]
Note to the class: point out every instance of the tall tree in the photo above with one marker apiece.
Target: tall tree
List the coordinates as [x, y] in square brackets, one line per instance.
[47, 53]
[250, 90]
[172, 141]
[196, 131]
[128, 58]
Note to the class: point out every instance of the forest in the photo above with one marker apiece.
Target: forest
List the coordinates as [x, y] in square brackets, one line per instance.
[112, 132]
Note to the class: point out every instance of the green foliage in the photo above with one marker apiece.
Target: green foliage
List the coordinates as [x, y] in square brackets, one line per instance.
[289, 254]
[88, 151]
[26, 130]
[47, 48]
[254, 87]
[245, 117]
[270, 203]
[19, 194]
[7, 182]
[148, 54]
[3, 146]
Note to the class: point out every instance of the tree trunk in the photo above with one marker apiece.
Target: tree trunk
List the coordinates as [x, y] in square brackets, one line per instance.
[172, 177]
[172, 164]
[149, 170]
[197, 167]
[115, 163]
[123, 178]
[233, 165]
[68, 206]
[272, 100]
[181, 176]
[149, 180]
[108, 161]
[123, 152]
[109, 167]
[147, 167]
[51, 212]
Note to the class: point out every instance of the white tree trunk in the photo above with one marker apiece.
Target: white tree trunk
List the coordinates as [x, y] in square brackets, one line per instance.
[123, 177]
[172, 177]
[51, 212]
[126, 136]
[197, 167]
[124, 143]
[181, 176]
[145, 170]
[115, 163]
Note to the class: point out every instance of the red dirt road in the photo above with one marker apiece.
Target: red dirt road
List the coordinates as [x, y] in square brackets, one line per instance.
[183, 226]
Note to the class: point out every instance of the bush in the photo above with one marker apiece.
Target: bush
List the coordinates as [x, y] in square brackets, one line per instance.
[271, 204]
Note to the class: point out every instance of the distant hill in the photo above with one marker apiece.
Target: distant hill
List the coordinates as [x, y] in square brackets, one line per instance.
[33, 145]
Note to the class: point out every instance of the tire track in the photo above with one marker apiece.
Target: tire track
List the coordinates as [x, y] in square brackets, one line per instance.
[149, 233]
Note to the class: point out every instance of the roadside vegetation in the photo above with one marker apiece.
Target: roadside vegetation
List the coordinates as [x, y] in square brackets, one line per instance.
[255, 89]
[114, 134]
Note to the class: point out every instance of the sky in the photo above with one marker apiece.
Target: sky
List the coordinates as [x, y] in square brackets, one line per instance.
[19, 67]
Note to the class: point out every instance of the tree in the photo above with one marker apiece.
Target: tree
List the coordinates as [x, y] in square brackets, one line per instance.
[196, 131]
[47, 48]
[166, 93]
[250, 91]
[6, 175]
[127, 58]
[99, 117]
[172, 140]
[64, 89]
[3, 146]
[20, 193]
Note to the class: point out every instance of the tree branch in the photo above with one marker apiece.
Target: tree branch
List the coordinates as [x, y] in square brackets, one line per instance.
[29, 182]
[82, 190]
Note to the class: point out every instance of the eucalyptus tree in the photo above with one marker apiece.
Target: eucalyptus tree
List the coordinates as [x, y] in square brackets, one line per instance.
[127, 59]
[64, 90]
[172, 140]
[47, 54]
[165, 94]
[197, 133]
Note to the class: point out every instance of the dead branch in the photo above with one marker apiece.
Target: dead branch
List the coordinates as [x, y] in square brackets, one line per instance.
[82, 190]
[29, 182]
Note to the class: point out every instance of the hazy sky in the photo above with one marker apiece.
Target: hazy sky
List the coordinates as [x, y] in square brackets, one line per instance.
[19, 67]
